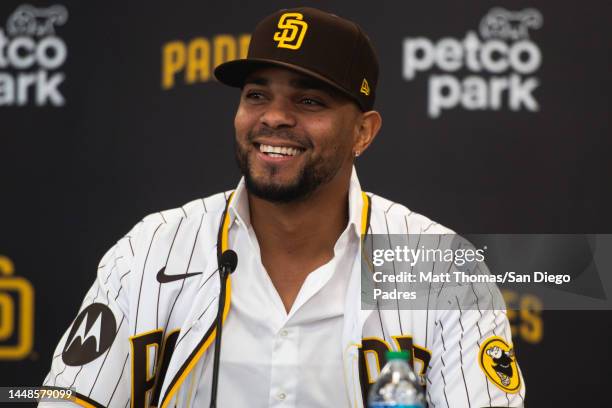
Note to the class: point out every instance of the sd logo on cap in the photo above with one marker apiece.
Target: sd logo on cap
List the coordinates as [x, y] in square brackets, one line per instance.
[293, 31]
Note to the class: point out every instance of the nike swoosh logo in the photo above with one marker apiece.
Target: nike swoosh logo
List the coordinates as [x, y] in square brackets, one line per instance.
[163, 278]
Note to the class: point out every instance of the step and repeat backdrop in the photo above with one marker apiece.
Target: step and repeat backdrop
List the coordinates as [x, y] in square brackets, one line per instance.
[496, 120]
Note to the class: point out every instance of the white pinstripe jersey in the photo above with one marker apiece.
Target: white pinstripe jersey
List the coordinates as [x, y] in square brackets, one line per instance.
[140, 342]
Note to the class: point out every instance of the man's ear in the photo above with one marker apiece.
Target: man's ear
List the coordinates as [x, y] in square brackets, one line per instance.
[367, 129]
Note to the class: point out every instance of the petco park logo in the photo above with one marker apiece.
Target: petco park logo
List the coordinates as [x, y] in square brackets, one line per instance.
[31, 55]
[491, 71]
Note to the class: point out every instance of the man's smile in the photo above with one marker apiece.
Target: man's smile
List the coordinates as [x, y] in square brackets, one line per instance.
[277, 151]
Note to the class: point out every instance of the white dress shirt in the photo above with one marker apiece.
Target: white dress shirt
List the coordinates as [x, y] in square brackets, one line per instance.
[271, 358]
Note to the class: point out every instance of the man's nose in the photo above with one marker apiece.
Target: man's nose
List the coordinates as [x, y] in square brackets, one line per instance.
[278, 114]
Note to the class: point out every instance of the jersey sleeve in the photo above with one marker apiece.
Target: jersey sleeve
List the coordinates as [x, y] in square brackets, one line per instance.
[92, 355]
[473, 359]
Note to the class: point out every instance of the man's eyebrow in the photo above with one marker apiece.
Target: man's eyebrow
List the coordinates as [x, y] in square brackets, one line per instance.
[298, 83]
[256, 80]
[310, 84]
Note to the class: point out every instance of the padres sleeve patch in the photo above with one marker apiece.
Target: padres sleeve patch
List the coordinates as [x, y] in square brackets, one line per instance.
[497, 360]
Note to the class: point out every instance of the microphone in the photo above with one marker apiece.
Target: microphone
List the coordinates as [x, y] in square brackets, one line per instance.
[229, 261]
[227, 264]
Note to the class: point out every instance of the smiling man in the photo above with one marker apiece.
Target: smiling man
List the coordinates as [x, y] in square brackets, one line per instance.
[296, 139]
[294, 333]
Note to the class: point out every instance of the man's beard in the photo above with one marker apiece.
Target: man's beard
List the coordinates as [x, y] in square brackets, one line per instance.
[311, 176]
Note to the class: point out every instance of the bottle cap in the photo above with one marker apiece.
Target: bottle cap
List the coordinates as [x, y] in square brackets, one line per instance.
[398, 355]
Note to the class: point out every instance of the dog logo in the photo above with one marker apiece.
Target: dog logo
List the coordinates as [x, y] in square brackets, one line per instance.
[292, 31]
[497, 360]
[31, 21]
[503, 24]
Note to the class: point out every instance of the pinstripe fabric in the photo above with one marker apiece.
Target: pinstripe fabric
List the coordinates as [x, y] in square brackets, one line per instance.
[183, 241]
[453, 377]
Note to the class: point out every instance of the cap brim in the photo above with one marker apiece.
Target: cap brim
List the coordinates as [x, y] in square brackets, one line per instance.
[233, 73]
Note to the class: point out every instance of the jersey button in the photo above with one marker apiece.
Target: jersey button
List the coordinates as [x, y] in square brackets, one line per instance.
[281, 396]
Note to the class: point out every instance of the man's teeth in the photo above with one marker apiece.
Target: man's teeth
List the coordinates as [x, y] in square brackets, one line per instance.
[279, 151]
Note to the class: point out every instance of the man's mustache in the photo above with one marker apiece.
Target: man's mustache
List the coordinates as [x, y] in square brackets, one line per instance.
[282, 134]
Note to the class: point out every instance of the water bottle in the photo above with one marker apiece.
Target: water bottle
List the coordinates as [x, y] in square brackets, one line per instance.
[397, 385]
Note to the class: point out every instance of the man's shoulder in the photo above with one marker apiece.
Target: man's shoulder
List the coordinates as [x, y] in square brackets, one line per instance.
[193, 225]
[395, 218]
[192, 210]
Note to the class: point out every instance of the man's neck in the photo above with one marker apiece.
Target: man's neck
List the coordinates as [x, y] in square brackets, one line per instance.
[308, 227]
[297, 238]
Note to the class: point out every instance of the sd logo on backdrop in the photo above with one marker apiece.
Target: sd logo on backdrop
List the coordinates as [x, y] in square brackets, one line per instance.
[16, 313]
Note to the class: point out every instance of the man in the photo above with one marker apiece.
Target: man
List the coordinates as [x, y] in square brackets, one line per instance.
[294, 333]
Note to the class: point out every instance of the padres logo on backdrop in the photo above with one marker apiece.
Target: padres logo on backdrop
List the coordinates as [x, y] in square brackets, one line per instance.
[196, 58]
[293, 29]
[497, 360]
[16, 313]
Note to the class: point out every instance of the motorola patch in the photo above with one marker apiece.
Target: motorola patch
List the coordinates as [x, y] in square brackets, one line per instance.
[91, 335]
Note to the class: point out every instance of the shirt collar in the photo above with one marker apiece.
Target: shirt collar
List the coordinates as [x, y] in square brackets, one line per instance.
[239, 207]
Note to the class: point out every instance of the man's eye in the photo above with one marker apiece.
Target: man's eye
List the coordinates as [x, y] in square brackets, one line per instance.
[310, 101]
[254, 95]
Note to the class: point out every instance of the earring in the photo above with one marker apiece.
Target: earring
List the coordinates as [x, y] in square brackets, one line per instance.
[357, 153]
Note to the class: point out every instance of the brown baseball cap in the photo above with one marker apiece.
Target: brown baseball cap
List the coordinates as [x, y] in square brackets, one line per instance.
[313, 42]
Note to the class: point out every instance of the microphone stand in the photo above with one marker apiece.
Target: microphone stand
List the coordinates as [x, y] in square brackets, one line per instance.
[224, 272]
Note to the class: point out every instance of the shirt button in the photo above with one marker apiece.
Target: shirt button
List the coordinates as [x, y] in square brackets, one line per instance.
[281, 396]
[284, 333]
